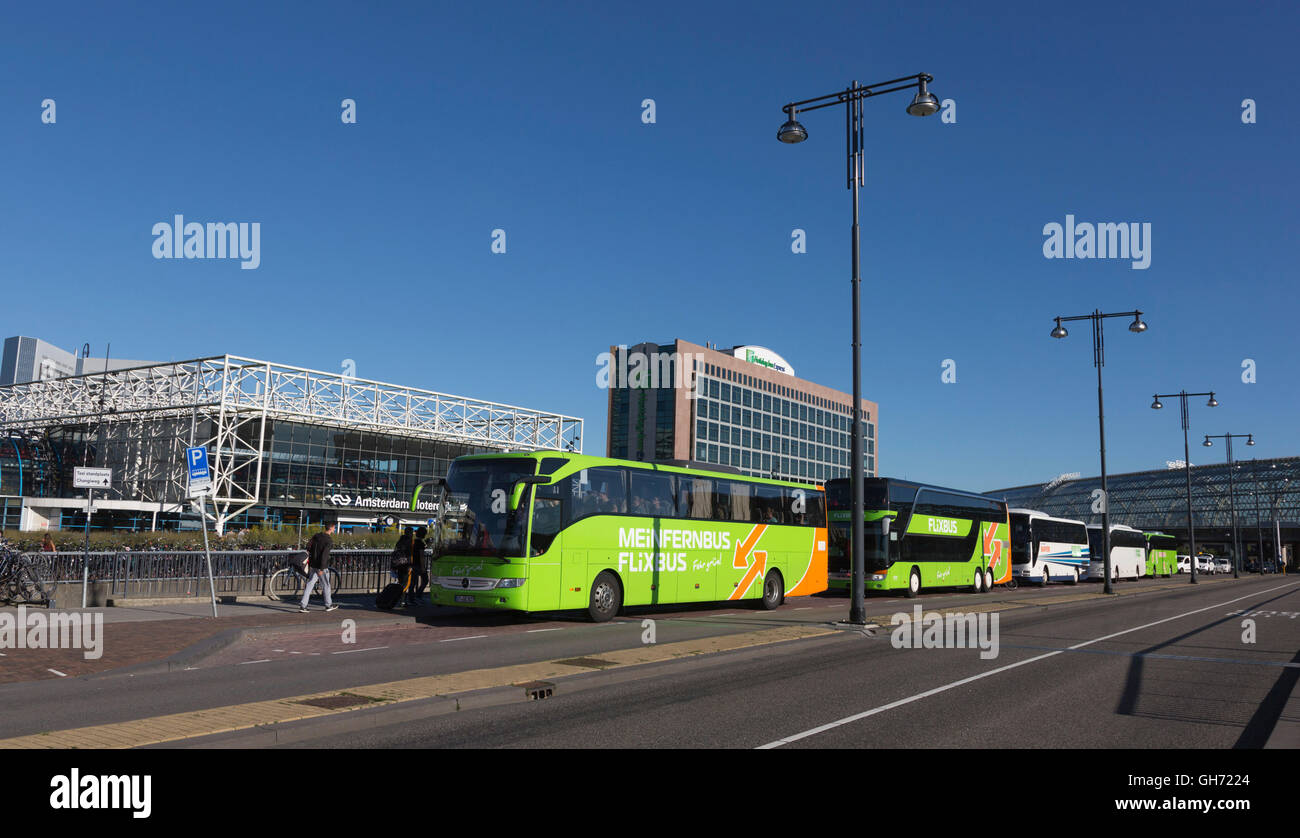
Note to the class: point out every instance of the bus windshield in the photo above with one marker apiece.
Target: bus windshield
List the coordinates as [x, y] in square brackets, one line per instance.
[478, 521]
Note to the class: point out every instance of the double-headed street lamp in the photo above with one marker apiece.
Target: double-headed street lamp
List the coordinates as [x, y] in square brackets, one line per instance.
[1232, 497]
[1182, 397]
[1099, 361]
[924, 103]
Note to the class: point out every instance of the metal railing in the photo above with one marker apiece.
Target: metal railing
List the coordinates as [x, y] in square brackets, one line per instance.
[181, 574]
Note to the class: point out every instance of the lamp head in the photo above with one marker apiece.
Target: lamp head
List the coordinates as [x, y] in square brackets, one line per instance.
[792, 132]
[1212, 402]
[924, 102]
[1137, 326]
[1156, 405]
[1207, 443]
[1059, 331]
[1250, 439]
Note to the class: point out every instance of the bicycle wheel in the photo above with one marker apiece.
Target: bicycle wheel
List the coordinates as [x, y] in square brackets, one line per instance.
[28, 586]
[283, 584]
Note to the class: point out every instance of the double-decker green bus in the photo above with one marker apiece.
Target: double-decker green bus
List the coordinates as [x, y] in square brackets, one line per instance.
[1162, 554]
[548, 531]
[919, 536]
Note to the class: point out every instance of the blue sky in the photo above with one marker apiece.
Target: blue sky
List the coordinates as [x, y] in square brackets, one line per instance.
[375, 237]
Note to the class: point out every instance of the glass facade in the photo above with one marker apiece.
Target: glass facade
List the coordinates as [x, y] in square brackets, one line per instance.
[753, 423]
[767, 430]
[308, 464]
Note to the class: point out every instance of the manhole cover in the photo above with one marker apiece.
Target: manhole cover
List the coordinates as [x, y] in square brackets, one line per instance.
[338, 702]
[590, 663]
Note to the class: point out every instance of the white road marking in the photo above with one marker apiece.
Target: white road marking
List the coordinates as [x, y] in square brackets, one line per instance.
[534, 631]
[263, 660]
[902, 701]
[350, 651]
[58, 673]
[454, 639]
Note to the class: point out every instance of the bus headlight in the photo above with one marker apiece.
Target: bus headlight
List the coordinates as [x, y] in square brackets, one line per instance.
[877, 577]
[510, 583]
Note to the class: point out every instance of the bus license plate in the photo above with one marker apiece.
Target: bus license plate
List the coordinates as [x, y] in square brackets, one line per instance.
[464, 598]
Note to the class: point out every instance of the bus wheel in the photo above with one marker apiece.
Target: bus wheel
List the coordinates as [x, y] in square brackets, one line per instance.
[913, 584]
[773, 590]
[606, 597]
[1042, 583]
[978, 585]
[988, 580]
[1075, 581]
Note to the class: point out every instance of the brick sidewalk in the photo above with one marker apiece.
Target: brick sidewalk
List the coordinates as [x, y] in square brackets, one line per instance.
[130, 643]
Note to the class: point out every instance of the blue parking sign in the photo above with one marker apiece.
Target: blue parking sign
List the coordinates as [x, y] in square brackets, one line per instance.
[197, 459]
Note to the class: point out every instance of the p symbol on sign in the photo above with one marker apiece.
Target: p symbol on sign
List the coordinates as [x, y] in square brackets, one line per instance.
[196, 456]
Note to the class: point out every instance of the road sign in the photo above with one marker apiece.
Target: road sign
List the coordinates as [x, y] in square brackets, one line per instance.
[92, 478]
[196, 460]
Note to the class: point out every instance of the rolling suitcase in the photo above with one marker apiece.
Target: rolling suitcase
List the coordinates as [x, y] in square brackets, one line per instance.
[389, 596]
[392, 593]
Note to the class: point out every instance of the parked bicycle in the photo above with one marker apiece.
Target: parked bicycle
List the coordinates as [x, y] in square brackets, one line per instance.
[288, 582]
[23, 578]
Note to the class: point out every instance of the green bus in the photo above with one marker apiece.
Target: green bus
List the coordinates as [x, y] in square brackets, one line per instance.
[919, 536]
[1162, 554]
[550, 531]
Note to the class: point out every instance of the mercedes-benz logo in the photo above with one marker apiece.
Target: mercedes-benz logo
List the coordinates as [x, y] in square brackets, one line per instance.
[464, 583]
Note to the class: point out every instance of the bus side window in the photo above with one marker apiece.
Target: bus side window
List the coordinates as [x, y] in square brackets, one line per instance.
[696, 498]
[652, 494]
[742, 501]
[817, 509]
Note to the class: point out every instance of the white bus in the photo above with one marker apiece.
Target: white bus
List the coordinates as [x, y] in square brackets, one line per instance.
[1128, 553]
[1044, 548]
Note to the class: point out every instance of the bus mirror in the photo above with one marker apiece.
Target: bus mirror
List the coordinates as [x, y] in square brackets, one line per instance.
[517, 491]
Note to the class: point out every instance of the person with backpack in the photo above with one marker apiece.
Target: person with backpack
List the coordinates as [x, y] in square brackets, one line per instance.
[420, 577]
[318, 561]
[401, 561]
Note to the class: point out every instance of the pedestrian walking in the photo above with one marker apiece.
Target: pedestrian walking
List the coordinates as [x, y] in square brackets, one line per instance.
[420, 577]
[47, 544]
[401, 562]
[318, 561]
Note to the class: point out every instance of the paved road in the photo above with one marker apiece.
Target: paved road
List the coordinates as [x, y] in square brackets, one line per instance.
[1168, 670]
[786, 689]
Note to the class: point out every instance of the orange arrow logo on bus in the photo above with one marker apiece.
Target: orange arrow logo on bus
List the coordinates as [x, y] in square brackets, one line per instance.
[994, 545]
[740, 559]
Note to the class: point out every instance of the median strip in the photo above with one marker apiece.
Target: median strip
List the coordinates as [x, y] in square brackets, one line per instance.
[178, 726]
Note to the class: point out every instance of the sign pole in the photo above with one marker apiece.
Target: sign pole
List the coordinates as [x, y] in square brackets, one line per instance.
[203, 516]
[85, 556]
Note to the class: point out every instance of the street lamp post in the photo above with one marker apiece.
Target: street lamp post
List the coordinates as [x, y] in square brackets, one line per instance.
[1232, 497]
[1099, 361]
[924, 103]
[1187, 463]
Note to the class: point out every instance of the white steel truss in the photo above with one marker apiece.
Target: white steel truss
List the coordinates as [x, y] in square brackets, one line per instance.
[145, 416]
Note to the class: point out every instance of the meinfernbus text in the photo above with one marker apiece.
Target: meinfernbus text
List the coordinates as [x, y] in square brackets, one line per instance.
[544, 531]
[919, 536]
